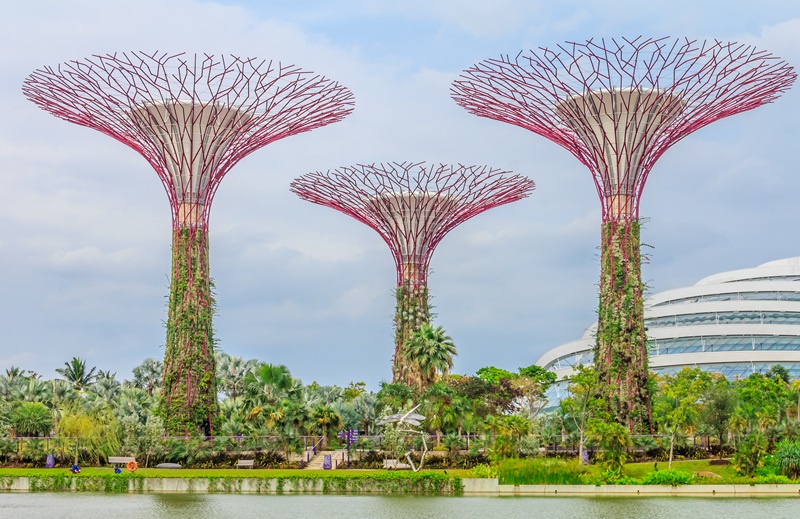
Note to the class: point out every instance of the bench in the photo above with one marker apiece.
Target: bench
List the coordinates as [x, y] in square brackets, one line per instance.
[245, 463]
[392, 464]
[124, 460]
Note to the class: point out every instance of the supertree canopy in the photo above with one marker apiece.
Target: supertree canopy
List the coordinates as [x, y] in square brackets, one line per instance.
[193, 117]
[618, 105]
[412, 206]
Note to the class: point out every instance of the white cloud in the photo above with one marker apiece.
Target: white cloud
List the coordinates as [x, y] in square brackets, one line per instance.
[86, 225]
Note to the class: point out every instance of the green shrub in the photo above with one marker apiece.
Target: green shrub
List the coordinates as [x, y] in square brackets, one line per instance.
[750, 454]
[667, 477]
[787, 454]
[483, 471]
[540, 472]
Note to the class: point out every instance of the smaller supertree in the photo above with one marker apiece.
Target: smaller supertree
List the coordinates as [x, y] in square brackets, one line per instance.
[412, 207]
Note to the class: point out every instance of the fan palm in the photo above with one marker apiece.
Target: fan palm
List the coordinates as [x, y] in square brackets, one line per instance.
[148, 374]
[430, 350]
[232, 372]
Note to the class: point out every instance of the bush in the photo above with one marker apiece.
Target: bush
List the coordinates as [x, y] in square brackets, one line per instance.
[750, 455]
[483, 471]
[667, 477]
[540, 472]
[787, 455]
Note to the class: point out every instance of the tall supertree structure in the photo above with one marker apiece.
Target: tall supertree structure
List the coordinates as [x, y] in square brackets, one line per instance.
[412, 206]
[618, 105]
[192, 117]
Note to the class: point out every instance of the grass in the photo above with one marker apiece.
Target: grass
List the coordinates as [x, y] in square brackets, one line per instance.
[640, 470]
[205, 473]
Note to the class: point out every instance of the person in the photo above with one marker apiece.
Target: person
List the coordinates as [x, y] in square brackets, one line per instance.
[117, 470]
[75, 469]
[655, 466]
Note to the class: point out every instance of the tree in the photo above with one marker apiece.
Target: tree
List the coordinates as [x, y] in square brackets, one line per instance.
[779, 372]
[326, 421]
[354, 389]
[750, 454]
[494, 375]
[533, 382]
[95, 434]
[232, 372]
[269, 384]
[676, 403]
[508, 431]
[148, 375]
[719, 402]
[613, 441]
[579, 406]
[429, 350]
[31, 419]
[75, 373]
[395, 396]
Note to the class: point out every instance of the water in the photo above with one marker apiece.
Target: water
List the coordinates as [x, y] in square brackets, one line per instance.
[201, 506]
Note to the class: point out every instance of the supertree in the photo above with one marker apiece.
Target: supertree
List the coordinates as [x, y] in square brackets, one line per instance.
[192, 117]
[412, 206]
[618, 105]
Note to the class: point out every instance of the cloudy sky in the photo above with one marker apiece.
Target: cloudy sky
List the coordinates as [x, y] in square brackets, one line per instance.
[85, 224]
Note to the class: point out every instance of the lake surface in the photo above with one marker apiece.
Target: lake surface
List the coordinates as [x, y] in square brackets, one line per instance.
[197, 506]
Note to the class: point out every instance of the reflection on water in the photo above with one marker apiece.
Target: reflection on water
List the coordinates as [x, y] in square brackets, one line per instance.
[202, 506]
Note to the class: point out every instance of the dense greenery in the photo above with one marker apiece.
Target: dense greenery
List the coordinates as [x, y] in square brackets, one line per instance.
[189, 398]
[497, 417]
[232, 481]
[620, 351]
[412, 311]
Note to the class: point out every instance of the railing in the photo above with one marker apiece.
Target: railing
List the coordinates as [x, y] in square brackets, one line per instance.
[311, 450]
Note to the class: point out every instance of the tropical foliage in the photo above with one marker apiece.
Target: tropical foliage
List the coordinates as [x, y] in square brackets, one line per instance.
[498, 415]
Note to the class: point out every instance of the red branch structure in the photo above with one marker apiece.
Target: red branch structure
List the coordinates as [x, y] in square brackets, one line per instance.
[412, 206]
[192, 117]
[618, 105]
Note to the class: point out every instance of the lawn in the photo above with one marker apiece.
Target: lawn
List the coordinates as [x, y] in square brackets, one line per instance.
[205, 473]
[640, 470]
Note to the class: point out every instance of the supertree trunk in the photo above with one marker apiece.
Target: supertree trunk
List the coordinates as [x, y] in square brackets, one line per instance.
[620, 352]
[412, 311]
[189, 395]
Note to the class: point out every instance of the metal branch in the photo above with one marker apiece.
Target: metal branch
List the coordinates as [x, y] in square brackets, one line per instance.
[412, 206]
[619, 105]
[193, 117]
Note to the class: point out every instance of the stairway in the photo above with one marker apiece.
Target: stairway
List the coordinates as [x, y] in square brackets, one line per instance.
[317, 461]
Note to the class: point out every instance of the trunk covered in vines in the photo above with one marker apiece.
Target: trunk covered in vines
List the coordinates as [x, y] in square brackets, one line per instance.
[620, 352]
[412, 311]
[189, 397]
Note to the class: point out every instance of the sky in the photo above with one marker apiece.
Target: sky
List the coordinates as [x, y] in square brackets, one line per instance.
[85, 223]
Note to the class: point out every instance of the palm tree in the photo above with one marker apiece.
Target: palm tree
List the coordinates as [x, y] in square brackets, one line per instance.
[326, 420]
[75, 373]
[395, 396]
[31, 419]
[33, 390]
[107, 389]
[232, 371]
[430, 350]
[270, 384]
[148, 374]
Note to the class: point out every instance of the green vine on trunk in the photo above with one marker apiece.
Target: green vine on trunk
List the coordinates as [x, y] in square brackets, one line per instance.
[412, 311]
[620, 351]
[189, 399]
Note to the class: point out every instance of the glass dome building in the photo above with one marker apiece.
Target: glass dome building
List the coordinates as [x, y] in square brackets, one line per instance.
[734, 323]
